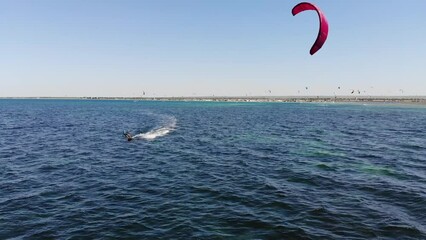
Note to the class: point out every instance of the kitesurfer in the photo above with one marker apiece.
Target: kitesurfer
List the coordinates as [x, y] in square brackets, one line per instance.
[128, 136]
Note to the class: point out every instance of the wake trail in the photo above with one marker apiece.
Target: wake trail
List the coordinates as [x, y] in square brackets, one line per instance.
[168, 125]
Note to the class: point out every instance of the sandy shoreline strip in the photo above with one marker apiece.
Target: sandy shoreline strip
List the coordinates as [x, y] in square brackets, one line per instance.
[319, 99]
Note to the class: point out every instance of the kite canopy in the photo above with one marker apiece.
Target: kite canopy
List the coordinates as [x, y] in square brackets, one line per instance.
[323, 28]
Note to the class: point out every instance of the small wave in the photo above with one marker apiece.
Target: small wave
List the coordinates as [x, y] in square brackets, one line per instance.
[377, 170]
[168, 126]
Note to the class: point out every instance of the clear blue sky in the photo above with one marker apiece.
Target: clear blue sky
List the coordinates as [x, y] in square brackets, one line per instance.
[206, 47]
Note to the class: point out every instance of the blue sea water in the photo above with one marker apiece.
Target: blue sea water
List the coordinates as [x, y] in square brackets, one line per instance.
[211, 170]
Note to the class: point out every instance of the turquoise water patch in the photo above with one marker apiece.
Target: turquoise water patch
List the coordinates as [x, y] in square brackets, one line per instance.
[376, 170]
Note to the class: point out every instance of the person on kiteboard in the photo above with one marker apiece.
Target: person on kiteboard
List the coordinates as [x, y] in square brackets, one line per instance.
[128, 136]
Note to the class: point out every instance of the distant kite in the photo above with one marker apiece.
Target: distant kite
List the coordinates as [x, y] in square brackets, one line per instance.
[323, 27]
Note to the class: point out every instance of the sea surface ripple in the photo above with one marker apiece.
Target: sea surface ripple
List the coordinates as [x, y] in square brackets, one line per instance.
[204, 170]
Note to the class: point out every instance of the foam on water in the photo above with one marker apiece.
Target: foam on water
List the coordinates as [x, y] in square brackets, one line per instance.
[167, 125]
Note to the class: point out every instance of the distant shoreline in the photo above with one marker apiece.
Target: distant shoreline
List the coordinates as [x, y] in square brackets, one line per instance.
[290, 99]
